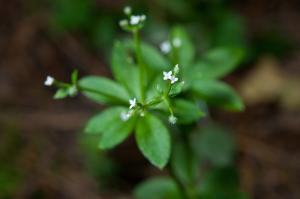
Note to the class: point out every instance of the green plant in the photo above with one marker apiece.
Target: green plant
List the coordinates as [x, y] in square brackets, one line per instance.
[167, 95]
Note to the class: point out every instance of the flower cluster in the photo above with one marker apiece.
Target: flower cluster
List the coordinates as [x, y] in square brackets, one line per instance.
[126, 115]
[171, 75]
[133, 21]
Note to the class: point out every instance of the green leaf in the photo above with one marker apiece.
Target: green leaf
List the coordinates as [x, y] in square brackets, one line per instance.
[74, 76]
[157, 188]
[153, 59]
[216, 63]
[72, 14]
[61, 93]
[103, 90]
[214, 144]
[123, 70]
[184, 163]
[111, 127]
[187, 111]
[186, 51]
[176, 89]
[221, 183]
[217, 94]
[153, 140]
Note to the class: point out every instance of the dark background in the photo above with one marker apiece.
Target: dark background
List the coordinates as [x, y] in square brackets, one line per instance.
[44, 154]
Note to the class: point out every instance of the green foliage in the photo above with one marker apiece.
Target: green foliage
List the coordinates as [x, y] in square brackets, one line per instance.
[176, 89]
[220, 183]
[186, 53]
[157, 188]
[184, 163]
[214, 144]
[218, 94]
[123, 68]
[153, 139]
[158, 92]
[72, 14]
[103, 90]
[187, 111]
[216, 63]
[153, 59]
[113, 130]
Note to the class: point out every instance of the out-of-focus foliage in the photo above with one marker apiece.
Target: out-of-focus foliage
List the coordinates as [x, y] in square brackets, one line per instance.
[97, 164]
[11, 177]
[215, 178]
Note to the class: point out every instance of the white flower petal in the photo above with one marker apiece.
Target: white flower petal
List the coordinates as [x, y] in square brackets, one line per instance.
[172, 119]
[135, 19]
[165, 47]
[132, 103]
[49, 81]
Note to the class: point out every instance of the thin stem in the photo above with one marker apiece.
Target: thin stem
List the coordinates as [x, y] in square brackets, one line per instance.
[138, 52]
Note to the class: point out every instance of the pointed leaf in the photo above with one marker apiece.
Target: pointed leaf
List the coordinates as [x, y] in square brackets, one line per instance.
[61, 93]
[153, 140]
[111, 127]
[218, 94]
[216, 63]
[123, 69]
[103, 90]
[153, 58]
[157, 188]
[187, 111]
[176, 89]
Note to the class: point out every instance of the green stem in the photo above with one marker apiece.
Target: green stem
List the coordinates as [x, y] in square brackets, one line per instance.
[138, 52]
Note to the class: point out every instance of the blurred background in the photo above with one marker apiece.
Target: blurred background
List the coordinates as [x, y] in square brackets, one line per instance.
[43, 152]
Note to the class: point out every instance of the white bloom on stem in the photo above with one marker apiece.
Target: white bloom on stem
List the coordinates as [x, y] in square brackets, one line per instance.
[172, 119]
[127, 10]
[165, 47]
[49, 81]
[132, 103]
[167, 75]
[173, 79]
[135, 19]
[143, 17]
[176, 42]
[126, 115]
[123, 22]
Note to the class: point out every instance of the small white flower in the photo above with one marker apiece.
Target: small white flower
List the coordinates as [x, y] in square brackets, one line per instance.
[132, 103]
[123, 22]
[124, 116]
[167, 75]
[172, 119]
[143, 17]
[142, 114]
[135, 19]
[49, 81]
[176, 42]
[176, 69]
[127, 10]
[173, 79]
[165, 47]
